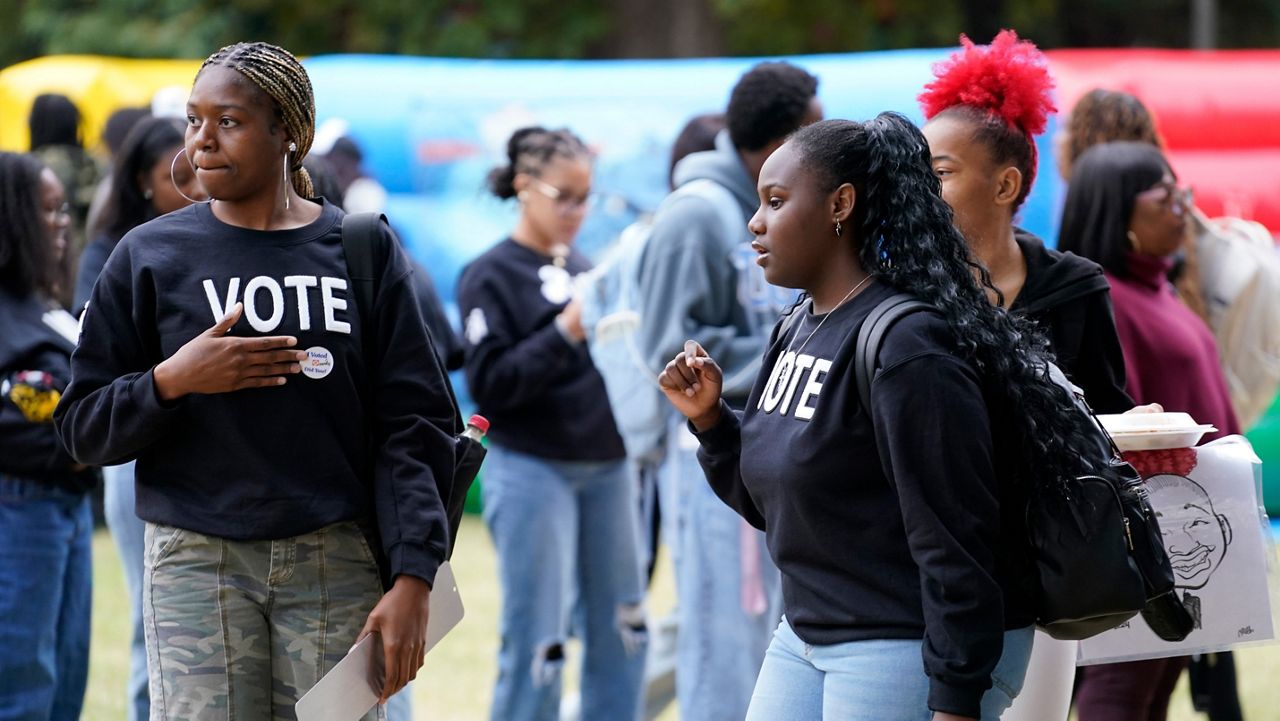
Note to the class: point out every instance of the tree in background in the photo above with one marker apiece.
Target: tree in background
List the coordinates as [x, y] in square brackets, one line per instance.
[605, 28]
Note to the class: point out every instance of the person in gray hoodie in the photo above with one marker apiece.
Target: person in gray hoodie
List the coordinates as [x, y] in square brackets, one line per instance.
[698, 280]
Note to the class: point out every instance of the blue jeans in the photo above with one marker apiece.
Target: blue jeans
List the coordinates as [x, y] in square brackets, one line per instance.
[128, 531]
[876, 680]
[720, 645]
[46, 591]
[567, 559]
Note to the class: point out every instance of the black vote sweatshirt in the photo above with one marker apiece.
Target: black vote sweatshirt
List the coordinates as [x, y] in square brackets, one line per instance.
[888, 532]
[36, 340]
[542, 393]
[271, 462]
[1070, 299]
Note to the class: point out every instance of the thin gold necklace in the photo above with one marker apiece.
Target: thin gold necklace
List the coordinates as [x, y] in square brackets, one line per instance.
[846, 297]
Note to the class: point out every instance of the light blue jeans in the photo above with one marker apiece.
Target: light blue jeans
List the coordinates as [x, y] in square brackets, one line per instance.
[567, 559]
[46, 592]
[878, 680]
[720, 645]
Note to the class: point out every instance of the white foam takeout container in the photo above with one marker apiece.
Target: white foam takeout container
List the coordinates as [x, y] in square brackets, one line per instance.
[1154, 431]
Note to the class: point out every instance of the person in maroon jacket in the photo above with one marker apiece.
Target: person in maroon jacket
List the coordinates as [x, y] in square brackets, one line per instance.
[1126, 212]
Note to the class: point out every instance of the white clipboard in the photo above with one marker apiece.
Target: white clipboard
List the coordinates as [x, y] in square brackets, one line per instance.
[347, 692]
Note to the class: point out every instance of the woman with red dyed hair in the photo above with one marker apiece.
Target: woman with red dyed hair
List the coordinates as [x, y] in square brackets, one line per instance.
[984, 109]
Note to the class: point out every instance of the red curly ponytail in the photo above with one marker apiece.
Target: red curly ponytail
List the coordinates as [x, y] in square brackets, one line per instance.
[1005, 88]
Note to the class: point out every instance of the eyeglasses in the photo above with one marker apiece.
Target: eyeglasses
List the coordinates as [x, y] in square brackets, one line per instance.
[63, 211]
[1169, 196]
[564, 203]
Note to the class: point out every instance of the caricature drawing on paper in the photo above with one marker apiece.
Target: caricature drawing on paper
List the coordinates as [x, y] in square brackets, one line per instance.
[1195, 536]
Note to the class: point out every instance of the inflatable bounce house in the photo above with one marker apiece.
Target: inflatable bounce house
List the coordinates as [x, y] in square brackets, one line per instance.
[431, 128]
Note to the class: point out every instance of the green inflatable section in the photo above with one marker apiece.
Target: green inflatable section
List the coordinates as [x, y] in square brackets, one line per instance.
[1265, 437]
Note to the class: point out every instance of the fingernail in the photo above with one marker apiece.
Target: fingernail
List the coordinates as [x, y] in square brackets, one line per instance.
[300, 355]
[292, 341]
[295, 368]
[280, 381]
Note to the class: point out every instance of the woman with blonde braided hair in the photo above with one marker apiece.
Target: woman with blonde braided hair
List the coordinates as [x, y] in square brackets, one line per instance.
[221, 349]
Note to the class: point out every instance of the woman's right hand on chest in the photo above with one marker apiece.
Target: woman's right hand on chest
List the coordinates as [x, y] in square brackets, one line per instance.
[692, 382]
[213, 362]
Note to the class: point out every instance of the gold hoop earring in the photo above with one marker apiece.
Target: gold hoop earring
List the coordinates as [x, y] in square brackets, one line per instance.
[172, 179]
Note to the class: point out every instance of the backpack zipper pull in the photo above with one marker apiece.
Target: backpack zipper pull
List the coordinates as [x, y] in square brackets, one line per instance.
[1127, 535]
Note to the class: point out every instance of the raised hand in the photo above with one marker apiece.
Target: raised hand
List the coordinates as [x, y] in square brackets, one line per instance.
[692, 382]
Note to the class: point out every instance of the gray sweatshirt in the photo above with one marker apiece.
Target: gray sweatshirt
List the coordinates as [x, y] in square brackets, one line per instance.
[700, 282]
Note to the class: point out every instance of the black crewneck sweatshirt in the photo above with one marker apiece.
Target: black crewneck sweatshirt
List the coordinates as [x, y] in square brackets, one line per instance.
[896, 531]
[270, 462]
[542, 393]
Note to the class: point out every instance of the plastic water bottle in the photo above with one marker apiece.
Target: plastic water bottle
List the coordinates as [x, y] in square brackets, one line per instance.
[477, 426]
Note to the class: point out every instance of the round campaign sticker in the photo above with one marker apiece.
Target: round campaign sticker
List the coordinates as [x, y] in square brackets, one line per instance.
[318, 364]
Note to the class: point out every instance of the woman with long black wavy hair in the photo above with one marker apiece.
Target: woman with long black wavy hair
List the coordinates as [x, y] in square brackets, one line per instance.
[898, 528]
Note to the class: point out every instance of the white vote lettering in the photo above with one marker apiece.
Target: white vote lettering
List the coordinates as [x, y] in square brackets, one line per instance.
[331, 304]
[271, 322]
[268, 319]
[221, 311]
[787, 373]
[811, 389]
[301, 283]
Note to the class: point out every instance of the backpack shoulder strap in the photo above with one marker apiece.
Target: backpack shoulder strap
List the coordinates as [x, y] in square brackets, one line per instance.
[871, 335]
[366, 251]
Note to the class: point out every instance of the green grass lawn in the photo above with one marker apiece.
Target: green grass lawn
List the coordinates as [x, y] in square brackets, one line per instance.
[456, 683]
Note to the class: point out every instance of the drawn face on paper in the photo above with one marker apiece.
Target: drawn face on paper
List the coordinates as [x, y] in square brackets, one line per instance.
[1195, 536]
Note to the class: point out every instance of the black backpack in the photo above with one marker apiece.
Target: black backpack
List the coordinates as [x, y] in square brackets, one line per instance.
[1094, 539]
[367, 249]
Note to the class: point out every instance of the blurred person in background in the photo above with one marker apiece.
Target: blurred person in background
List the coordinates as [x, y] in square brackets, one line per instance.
[54, 125]
[45, 521]
[557, 495]
[1228, 274]
[1126, 212]
[114, 133]
[145, 184]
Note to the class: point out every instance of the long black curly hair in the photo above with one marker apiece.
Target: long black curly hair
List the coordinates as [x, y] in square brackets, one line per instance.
[906, 237]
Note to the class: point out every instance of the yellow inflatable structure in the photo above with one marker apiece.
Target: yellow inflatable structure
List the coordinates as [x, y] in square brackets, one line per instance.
[97, 85]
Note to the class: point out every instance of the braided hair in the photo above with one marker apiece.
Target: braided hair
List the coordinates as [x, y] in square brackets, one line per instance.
[1004, 91]
[278, 74]
[1105, 116]
[26, 259]
[529, 151]
[905, 236]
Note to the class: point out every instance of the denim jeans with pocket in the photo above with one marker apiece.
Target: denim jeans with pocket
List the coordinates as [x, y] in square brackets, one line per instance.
[565, 533]
[721, 642]
[873, 680]
[46, 592]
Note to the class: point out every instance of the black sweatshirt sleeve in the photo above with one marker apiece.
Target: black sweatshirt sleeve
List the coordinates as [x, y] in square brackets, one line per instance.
[721, 457]
[503, 371]
[1099, 364]
[111, 412]
[934, 439]
[29, 443]
[413, 433]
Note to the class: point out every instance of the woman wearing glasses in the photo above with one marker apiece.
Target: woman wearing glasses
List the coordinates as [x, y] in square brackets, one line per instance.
[1125, 211]
[45, 523]
[556, 493]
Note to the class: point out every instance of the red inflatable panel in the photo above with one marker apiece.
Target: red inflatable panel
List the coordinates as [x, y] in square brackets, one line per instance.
[1219, 113]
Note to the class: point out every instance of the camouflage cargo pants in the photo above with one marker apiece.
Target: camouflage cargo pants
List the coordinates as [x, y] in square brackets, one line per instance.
[240, 630]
